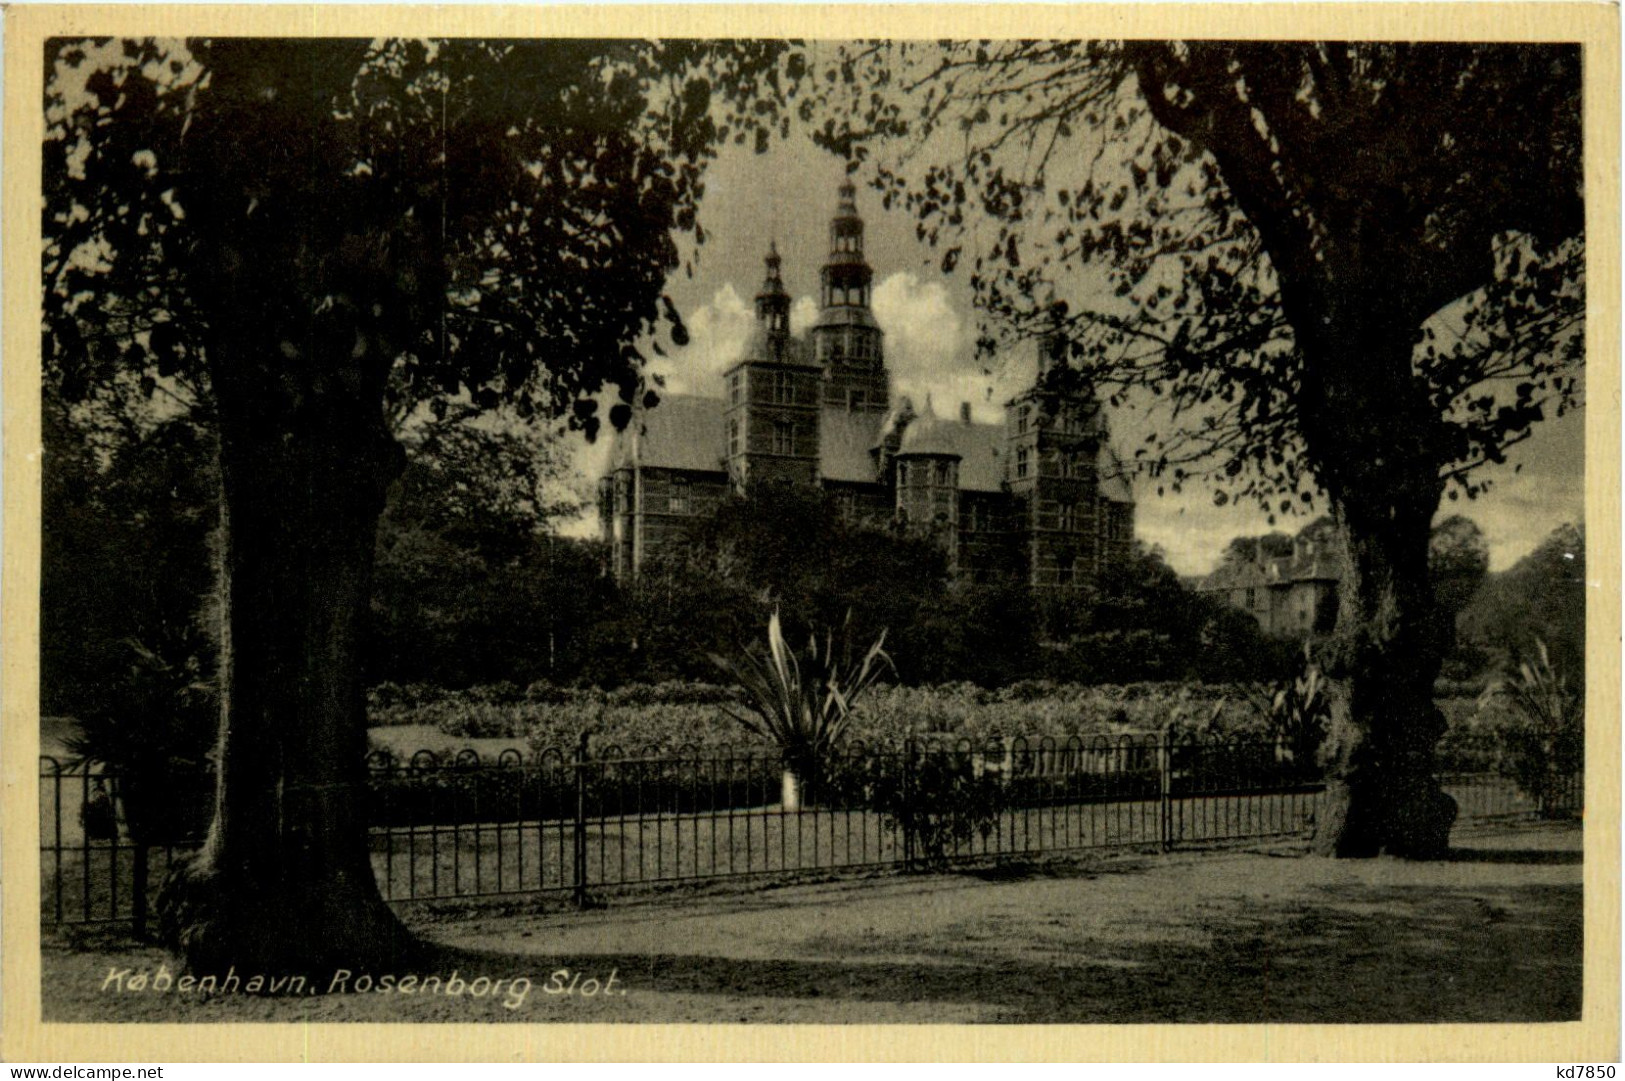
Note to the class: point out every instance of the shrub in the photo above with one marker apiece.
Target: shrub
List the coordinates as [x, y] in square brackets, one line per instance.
[1547, 743]
[939, 800]
[1296, 712]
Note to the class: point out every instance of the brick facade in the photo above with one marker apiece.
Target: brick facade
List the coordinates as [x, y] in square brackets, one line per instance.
[1041, 497]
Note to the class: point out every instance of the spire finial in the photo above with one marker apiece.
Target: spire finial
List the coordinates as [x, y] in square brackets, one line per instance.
[848, 197]
[772, 282]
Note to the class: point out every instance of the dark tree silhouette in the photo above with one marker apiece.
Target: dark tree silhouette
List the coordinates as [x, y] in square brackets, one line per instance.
[1351, 268]
[330, 234]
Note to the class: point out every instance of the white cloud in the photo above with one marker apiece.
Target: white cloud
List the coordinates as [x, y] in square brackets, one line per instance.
[924, 334]
[802, 314]
[718, 331]
[929, 350]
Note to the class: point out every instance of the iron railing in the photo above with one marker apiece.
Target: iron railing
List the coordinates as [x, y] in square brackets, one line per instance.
[571, 822]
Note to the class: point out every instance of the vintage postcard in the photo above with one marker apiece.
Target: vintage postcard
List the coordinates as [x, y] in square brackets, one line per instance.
[796, 532]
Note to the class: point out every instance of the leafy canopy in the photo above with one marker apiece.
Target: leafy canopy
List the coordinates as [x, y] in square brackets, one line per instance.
[458, 222]
[1234, 223]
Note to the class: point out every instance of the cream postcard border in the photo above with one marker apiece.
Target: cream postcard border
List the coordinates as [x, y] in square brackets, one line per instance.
[24, 1038]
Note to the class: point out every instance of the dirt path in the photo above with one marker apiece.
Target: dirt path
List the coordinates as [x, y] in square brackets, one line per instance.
[1493, 935]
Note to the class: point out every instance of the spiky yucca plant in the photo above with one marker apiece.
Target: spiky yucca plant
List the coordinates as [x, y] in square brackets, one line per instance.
[1549, 746]
[801, 703]
[1298, 712]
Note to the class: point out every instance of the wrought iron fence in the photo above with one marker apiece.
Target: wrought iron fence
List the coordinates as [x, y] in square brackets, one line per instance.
[573, 821]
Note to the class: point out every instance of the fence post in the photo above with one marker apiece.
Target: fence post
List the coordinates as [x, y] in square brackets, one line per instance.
[907, 803]
[138, 889]
[581, 822]
[1165, 787]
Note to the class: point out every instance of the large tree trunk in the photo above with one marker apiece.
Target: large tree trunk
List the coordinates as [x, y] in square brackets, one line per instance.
[284, 883]
[1383, 793]
[1372, 438]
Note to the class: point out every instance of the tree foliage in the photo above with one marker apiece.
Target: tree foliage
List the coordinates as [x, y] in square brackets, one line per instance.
[1210, 210]
[1541, 598]
[479, 222]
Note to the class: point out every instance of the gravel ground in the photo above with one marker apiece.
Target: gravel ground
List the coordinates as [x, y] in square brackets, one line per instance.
[1492, 935]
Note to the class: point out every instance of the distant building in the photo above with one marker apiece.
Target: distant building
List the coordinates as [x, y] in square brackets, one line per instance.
[1042, 495]
[1292, 594]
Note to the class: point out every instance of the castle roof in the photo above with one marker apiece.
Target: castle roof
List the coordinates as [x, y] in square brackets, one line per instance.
[927, 434]
[1313, 559]
[979, 447]
[687, 431]
[684, 431]
[844, 443]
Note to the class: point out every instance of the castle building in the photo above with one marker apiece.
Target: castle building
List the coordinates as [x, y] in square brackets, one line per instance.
[1041, 497]
[1290, 593]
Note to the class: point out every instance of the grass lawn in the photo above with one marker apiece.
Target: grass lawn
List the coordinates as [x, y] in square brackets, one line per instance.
[1494, 934]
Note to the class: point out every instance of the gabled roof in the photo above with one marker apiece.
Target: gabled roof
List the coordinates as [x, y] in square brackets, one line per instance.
[684, 431]
[1313, 559]
[981, 453]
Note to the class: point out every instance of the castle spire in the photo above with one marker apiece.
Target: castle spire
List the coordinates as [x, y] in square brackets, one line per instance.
[845, 337]
[773, 302]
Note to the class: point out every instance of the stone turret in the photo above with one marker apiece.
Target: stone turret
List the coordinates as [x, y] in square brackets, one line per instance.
[847, 342]
[772, 410]
[928, 460]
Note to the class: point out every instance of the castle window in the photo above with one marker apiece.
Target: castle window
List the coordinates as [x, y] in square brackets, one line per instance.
[1252, 597]
[784, 437]
[784, 388]
[677, 497]
[902, 473]
[734, 388]
[940, 473]
[1021, 462]
[1066, 517]
[858, 344]
[856, 399]
[1023, 421]
[733, 439]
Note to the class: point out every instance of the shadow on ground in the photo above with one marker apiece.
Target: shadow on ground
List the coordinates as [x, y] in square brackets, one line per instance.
[1453, 956]
[1532, 856]
[1494, 934]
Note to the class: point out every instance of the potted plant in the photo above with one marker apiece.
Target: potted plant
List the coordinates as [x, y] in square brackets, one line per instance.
[801, 702]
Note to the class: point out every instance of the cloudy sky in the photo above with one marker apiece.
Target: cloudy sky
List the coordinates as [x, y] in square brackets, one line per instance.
[788, 195]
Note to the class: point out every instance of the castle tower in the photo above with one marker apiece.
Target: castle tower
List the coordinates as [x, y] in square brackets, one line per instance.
[927, 463]
[772, 408]
[846, 339]
[1053, 439]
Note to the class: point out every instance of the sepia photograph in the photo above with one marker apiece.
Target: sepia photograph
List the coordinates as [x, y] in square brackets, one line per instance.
[850, 530]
